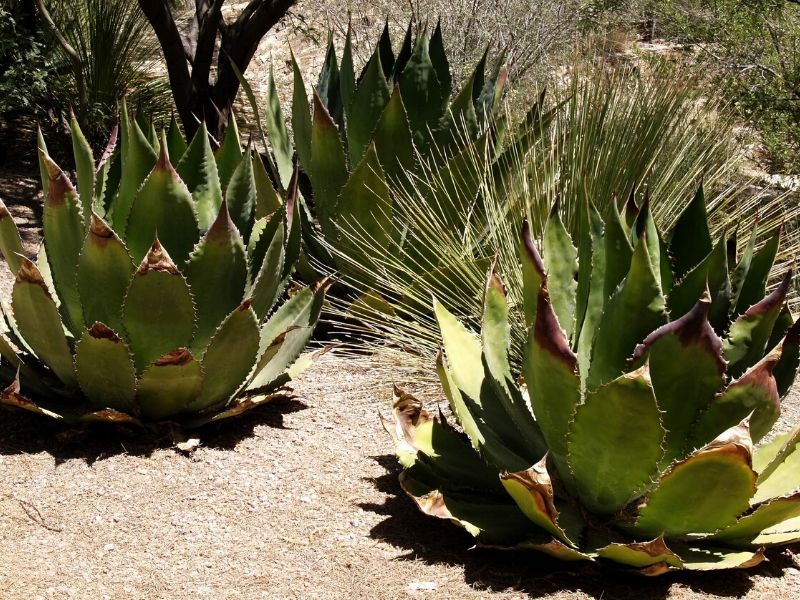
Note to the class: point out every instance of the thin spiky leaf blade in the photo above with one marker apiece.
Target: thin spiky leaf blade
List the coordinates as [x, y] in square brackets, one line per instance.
[241, 196]
[105, 270]
[105, 369]
[10, 240]
[229, 357]
[138, 159]
[614, 442]
[562, 270]
[169, 385]
[328, 168]
[217, 275]
[618, 334]
[369, 99]
[703, 493]
[84, 168]
[163, 206]
[278, 133]
[687, 370]
[198, 171]
[39, 322]
[301, 118]
[229, 154]
[748, 335]
[63, 238]
[158, 313]
[690, 240]
[392, 138]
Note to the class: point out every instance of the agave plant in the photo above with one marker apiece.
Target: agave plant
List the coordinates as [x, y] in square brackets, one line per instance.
[650, 369]
[153, 294]
[396, 120]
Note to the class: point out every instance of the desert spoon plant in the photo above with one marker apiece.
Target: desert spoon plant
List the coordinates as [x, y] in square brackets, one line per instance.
[650, 370]
[153, 297]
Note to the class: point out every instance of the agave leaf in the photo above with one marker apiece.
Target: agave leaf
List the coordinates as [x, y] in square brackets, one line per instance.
[39, 323]
[642, 554]
[241, 195]
[260, 241]
[10, 241]
[711, 559]
[399, 63]
[770, 455]
[687, 370]
[562, 270]
[105, 270]
[424, 95]
[328, 84]
[656, 249]
[749, 334]
[63, 238]
[278, 133]
[755, 282]
[169, 385]
[533, 274]
[393, 141]
[198, 171]
[138, 158]
[364, 212]
[328, 167]
[217, 275]
[768, 515]
[785, 369]
[492, 92]
[712, 274]
[229, 154]
[158, 312]
[85, 169]
[105, 369]
[347, 77]
[778, 476]
[618, 334]
[786, 532]
[703, 493]
[460, 123]
[754, 392]
[267, 198]
[107, 176]
[163, 207]
[440, 63]
[590, 298]
[619, 253]
[229, 357]
[269, 281]
[615, 442]
[369, 99]
[11, 396]
[690, 240]
[176, 145]
[41, 152]
[301, 118]
[742, 267]
[532, 490]
[294, 249]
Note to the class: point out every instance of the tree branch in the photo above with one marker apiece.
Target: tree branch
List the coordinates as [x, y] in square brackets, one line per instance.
[68, 49]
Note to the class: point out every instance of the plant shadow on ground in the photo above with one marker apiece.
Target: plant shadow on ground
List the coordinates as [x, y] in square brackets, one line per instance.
[440, 542]
[27, 433]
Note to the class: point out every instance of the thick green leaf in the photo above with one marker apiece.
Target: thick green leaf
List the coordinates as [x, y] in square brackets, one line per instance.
[241, 196]
[364, 218]
[460, 123]
[778, 476]
[645, 229]
[590, 300]
[169, 385]
[176, 145]
[105, 270]
[562, 270]
[63, 238]
[618, 252]
[328, 168]
[278, 134]
[230, 356]
[755, 282]
[163, 207]
[217, 276]
[138, 158]
[706, 558]
[347, 77]
[533, 274]
[424, 95]
[393, 141]
[328, 84]
[770, 514]
[687, 370]
[269, 279]
[618, 334]
[769, 455]
[10, 241]
[229, 154]
[84, 168]
[439, 60]
[369, 99]
[615, 442]
[198, 170]
[301, 118]
[641, 555]
[690, 240]
[39, 323]
[107, 176]
[749, 334]
[786, 532]
[785, 370]
[267, 199]
[158, 313]
[703, 493]
[739, 275]
[41, 152]
[105, 369]
[712, 274]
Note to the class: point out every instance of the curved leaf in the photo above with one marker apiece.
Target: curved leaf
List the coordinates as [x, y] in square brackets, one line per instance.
[169, 385]
[105, 370]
